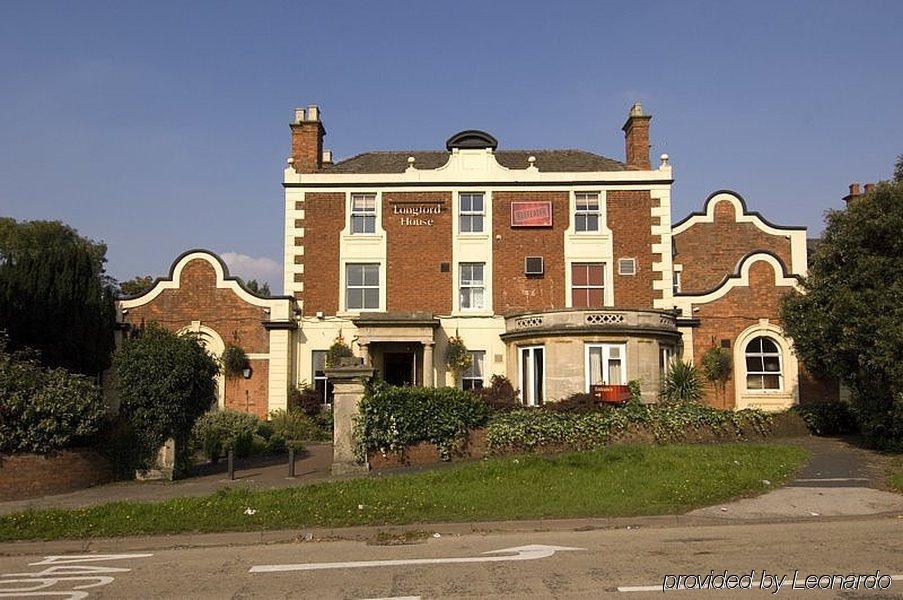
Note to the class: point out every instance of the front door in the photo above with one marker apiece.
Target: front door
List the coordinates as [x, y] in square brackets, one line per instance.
[398, 368]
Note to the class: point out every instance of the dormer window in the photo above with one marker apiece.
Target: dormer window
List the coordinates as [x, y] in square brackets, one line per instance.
[363, 213]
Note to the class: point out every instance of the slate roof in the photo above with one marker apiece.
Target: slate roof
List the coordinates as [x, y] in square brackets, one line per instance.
[550, 161]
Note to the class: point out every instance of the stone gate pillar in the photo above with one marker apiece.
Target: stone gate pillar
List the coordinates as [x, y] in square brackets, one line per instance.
[348, 382]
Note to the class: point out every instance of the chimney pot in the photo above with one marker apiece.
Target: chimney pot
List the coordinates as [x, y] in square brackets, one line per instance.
[854, 189]
[327, 157]
[299, 115]
[313, 113]
[869, 187]
[636, 138]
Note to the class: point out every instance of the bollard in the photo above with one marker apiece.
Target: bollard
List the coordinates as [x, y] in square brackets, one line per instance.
[291, 461]
[231, 465]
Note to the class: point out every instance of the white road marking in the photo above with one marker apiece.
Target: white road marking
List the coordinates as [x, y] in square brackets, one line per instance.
[531, 552]
[832, 479]
[658, 588]
[64, 571]
[395, 598]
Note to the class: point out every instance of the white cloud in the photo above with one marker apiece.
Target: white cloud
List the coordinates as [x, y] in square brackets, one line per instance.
[262, 269]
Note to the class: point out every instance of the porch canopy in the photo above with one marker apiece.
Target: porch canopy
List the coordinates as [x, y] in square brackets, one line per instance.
[398, 328]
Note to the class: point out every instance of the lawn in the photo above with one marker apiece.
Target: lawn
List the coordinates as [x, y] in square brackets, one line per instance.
[617, 481]
[895, 478]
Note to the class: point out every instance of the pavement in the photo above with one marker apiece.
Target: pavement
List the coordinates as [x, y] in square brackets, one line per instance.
[832, 520]
[268, 472]
[840, 479]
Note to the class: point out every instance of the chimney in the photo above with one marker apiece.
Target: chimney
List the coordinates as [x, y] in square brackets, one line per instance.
[869, 187]
[854, 192]
[636, 138]
[307, 139]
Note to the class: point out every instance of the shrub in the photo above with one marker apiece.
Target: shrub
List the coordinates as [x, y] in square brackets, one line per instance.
[220, 431]
[457, 358]
[294, 426]
[337, 352]
[165, 383]
[234, 361]
[681, 383]
[392, 418]
[828, 418]
[716, 368]
[306, 399]
[500, 395]
[575, 403]
[527, 430]
[45, 409]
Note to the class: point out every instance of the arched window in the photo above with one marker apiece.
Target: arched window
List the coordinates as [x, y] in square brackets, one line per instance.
[763, 364]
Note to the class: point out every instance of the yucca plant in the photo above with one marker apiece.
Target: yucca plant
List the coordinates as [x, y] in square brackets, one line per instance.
[681, 383]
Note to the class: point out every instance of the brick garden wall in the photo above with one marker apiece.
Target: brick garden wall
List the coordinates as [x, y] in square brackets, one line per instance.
[32, 475]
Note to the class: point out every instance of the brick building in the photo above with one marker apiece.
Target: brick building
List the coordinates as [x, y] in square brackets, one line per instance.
[560, 269]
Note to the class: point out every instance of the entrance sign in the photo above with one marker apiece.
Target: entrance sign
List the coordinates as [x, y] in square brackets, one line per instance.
[531, 214]
[416, 214]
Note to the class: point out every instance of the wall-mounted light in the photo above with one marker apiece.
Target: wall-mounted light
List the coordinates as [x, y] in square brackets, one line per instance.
[246, 372]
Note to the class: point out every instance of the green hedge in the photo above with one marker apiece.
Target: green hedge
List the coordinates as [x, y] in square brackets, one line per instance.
[392, 418]
[531, 429]
[220, 431]
[828, 418]
[45, 409]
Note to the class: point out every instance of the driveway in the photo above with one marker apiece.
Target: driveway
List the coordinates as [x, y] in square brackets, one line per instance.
[839, 480]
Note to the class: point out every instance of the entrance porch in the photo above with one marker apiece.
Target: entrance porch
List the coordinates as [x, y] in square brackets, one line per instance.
[399, 346]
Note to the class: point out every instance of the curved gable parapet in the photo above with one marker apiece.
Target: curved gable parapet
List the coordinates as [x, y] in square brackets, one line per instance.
[740, 278]
[794, 233]
[743, 214]
[276, 304]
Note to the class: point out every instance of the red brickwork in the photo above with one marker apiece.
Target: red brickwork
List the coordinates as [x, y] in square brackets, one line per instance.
[415, 253]
[32, 475]
[250, 395]
[235, 320]
[630, 221]
[711, 251]
[307, 146]
[636, 139]
[727, 317]
[324, 219]
[512, 290]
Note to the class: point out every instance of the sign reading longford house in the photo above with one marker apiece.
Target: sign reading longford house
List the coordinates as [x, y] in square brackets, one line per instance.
[416, 214]
[531, 214]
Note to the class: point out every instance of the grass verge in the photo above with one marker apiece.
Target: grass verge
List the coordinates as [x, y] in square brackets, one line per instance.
[895, 478]
[617, 481]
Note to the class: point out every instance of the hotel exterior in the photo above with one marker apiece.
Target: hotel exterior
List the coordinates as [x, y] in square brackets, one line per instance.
[559, 269]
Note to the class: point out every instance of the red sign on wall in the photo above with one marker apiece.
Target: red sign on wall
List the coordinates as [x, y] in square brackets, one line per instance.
[531, 214]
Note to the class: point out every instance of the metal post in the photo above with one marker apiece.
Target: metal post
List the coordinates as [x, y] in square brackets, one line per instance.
[231, 465]
[291, 461]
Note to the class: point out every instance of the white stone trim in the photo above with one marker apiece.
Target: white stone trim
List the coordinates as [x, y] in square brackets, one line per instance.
[685, 302]
[368, 248]
[466, 166]
[472, 248]
[216, 347]
[797, 236]
[279, 307]
[771, 400]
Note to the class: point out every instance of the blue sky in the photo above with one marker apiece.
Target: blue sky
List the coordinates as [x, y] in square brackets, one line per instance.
[163, 126]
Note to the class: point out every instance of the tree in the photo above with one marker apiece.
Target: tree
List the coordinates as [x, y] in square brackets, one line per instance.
[136, 285]
[55, 296]
[848, 322]
[716, 368]
[898, 169]
[258, 288]
[165, 383]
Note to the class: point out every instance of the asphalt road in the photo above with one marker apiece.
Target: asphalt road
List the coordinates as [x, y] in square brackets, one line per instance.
[595, 564]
